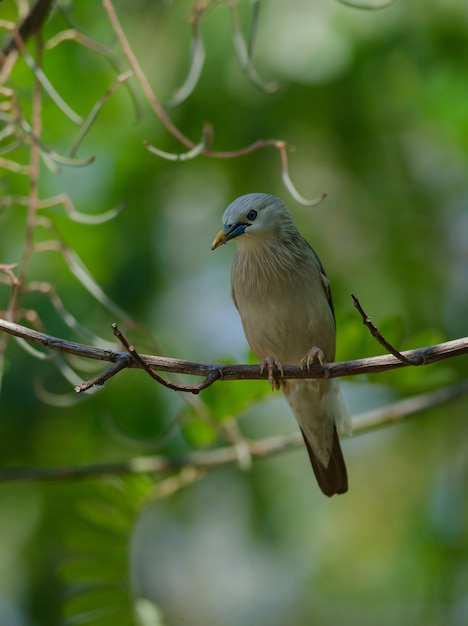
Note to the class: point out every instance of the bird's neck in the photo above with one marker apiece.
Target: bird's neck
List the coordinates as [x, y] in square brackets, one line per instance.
[265, 263]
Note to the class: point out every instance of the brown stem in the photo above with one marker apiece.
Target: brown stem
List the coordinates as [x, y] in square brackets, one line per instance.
[210, 459]
[366, 320]
[216, 371]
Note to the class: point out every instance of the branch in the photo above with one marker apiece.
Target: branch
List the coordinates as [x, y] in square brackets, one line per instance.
[371, 365]
[212, 459]
[30, 24]
[366, 320]
[138, 361]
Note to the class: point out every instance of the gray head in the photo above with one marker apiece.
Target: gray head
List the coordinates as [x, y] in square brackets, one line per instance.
[255, 217]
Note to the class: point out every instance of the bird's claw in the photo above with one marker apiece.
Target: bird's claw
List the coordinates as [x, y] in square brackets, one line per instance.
[314, 355]
[274, 369]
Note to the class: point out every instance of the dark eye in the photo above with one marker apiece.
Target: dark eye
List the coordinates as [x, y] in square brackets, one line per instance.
[251, 215]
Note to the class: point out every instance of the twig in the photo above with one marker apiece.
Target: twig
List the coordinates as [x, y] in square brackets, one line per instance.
[212, 459]
[366, 320]
[405, 408]
[30, 24]
[371, 365]
[140, 362]
[141, 76]
[99, 380]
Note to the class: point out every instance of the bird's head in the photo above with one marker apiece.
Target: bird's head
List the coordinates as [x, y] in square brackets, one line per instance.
[256, 215]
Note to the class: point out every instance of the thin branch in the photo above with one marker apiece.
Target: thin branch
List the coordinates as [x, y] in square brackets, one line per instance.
[405, 408]
[371, 365]
[100, 379]
[29, 25]
[141, 76]
[212, 459]
[140, 362]
[366, 320]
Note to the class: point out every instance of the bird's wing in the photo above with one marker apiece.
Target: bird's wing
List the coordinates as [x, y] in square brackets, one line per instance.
[324, 278]
[233, 296]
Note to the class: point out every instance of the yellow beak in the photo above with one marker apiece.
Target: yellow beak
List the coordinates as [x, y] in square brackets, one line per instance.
[219, 240]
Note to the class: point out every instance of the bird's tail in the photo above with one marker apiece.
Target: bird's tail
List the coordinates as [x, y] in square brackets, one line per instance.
[333, 478]
[319, 408]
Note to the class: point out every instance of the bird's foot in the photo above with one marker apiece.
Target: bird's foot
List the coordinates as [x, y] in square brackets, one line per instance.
[314, 355]
[274, 369]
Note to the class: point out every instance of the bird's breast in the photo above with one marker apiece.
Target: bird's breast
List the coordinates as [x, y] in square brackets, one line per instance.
[284, 313]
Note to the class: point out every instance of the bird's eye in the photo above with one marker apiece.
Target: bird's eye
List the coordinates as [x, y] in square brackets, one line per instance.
[251, 215]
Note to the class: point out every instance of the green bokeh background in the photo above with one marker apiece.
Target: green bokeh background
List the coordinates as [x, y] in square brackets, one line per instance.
[375, 105]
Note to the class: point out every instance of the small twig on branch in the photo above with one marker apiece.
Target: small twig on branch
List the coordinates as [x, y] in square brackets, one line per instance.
[140, 362]
[101, 379]
[212, 459]
[416, 360]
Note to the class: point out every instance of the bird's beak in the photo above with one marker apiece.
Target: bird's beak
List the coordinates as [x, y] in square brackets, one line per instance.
[229, 232]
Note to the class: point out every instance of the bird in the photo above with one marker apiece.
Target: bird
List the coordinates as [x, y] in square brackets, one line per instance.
[283, 297]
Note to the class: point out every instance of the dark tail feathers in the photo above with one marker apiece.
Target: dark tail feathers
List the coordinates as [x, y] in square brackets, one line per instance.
[332, 479]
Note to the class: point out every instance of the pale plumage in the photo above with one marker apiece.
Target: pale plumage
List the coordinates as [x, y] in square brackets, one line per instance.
[283, 297]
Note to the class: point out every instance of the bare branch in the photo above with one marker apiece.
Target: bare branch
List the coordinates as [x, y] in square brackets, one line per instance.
[405, 408]
[141, 76]
[30, 24]
[371, 365]
[140, 362]
[366, 320]
[212, 459]
[99, 380]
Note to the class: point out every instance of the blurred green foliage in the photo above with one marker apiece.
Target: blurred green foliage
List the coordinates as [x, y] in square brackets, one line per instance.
[374, 103]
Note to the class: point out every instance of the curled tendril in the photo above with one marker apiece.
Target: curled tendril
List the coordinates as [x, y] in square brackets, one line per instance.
[70, 320]
[34, 352]
[244, 50]
[183, 156]
[11, 147]
[197, 56]
[50, 157]
[72, 34]
[80, 271]
[366, 6]
[96, 109]
[13, 166]
[73, 214]
[64, 160]
[50, 89]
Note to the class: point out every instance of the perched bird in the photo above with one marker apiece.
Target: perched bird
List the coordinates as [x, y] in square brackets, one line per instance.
[283, 297]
